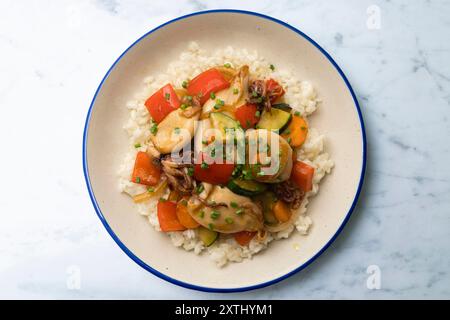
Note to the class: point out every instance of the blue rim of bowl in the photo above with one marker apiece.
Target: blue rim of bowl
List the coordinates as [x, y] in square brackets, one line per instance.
[238, 289]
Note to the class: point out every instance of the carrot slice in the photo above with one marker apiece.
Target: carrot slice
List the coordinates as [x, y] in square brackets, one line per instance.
[302, 174]
[281, 211]
[244, 237]
[145, 171]
[167, 216]
[184, 217]
[296, 131]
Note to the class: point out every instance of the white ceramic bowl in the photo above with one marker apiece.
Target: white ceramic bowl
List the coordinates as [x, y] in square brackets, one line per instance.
[338, 117]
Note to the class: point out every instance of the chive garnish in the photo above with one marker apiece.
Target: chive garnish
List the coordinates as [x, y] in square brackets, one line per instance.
[215, 214]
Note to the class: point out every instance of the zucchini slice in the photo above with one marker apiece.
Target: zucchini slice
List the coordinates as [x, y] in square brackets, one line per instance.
[283, 106]
[274, 119]
[208, 237]
[222, 122]
[268, 200]
[246, 187]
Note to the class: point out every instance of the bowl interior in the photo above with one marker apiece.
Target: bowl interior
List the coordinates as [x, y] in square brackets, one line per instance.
[337, 118]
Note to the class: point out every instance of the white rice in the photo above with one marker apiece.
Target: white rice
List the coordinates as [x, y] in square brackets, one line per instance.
[299, 94]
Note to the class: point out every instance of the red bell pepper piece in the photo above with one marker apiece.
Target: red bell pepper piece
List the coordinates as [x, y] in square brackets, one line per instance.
[206, 170]
[207, 82]
[162, 102]
[167, 216]
[246, 115]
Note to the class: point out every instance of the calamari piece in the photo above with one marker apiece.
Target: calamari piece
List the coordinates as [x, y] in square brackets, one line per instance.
[269, 156]
[226, 212]
[174, 132]
[233, 96]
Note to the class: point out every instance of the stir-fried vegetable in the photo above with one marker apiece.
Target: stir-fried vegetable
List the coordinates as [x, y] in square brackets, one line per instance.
[223, 123]
[246, 187]
[183, 215]
[267, 200]
[145, 171]
[210, 81]
[302, 174]
[162, 102]
[296, 132]
[281, 211]
[247, 115]
[244, 237]
[274, 119]
[151, 192]
[167, 216]
[274, 90]
[214, 173]
[207, 236]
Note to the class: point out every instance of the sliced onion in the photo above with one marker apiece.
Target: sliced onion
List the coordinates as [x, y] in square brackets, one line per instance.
[149, 195]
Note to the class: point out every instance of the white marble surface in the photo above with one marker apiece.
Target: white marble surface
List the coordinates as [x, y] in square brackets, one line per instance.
[53, 56]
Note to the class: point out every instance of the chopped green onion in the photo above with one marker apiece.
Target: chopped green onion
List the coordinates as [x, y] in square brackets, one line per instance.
[190, 171]
[189, 98]
[239, 211]
[150, 189]
[272, 67]
[235, 91]
[184, 84]
[211, 226]
[202, 214]
[162, 200]
[297, 113]
[167, 95]
[215, 214]
[204, 165]
[137, 145]
[212, 95]
[258, 114]
[200, 188]
[303, 128]
[229, 220]
[154, 129]
[227, 65]
[183, 106]
[138, 180]
[184, 202]
[176, 130]
[233, 204]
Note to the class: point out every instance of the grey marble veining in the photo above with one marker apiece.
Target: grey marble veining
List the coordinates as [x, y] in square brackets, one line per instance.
[53, 55]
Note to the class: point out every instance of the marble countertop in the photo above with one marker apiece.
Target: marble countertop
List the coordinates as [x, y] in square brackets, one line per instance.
[395, 54]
